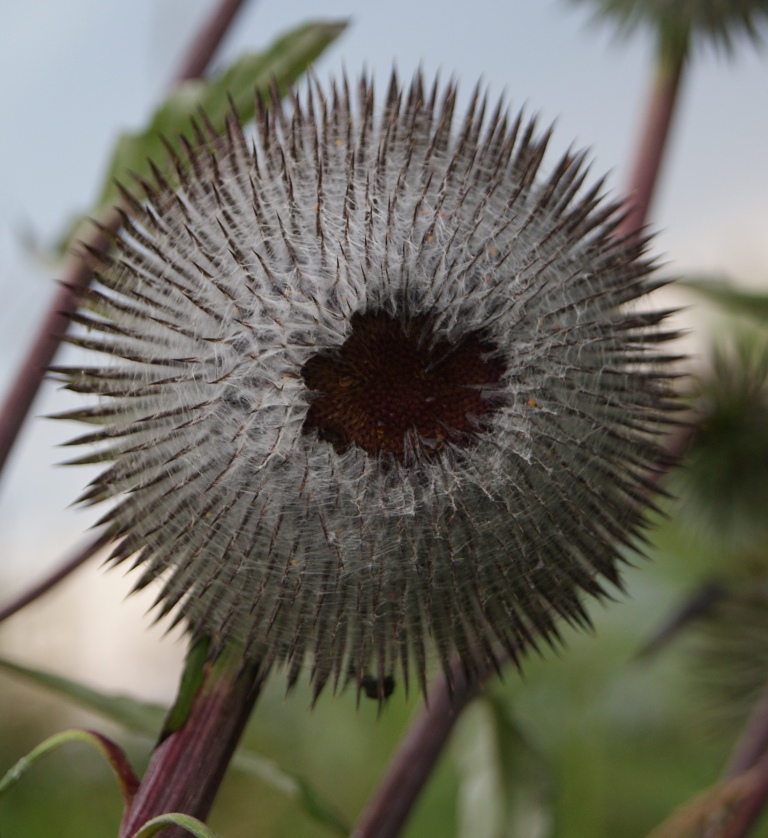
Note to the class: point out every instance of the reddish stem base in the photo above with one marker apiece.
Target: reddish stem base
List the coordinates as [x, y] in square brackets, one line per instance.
[187, 767]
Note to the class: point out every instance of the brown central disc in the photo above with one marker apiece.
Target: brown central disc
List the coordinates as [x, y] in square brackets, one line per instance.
[388, 382]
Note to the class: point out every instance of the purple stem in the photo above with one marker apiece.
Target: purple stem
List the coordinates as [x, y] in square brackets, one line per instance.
[750, 807]
[40, 355]
[750, 753]
[68, 566]
[753, 743]
[654, 135]
[187, 767]
[207, 40]
[416, 756]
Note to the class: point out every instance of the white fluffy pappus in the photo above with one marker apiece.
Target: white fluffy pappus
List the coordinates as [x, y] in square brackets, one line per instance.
[375, 386]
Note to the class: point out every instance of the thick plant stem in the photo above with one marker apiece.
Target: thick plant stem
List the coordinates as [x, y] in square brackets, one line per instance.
[78, 274]
[188, 765]
[412, 764]
[655, 132]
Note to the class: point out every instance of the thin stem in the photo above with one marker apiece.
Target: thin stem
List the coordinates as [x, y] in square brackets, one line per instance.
[24, 388]
[68, 566]
[753, 742]
[207, 40]
[412, 764]
[78, 274]
[654, 136]
[749, 755]
[187, 767]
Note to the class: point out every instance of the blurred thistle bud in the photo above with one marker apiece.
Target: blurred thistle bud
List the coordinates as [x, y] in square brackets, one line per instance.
[724, 486]
[377, 387]
[721, 21]
[728, 645]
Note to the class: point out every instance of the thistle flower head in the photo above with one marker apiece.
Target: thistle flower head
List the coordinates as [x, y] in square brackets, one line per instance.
[376, 386]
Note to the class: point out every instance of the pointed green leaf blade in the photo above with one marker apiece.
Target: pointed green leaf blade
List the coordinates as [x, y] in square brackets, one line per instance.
[114, 755]
[191, 679]
[192, 825]
[138, 716]
[727, 295]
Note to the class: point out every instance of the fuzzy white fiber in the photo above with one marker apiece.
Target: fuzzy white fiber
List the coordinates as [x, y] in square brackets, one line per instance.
[219, 290]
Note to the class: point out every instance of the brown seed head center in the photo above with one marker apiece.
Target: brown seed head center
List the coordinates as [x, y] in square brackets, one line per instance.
[388, 382]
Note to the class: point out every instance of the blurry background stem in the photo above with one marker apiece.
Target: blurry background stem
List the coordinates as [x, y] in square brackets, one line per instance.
[747, 811]
[654, 134]
[750, 753]
[70, 564]
[416, 756]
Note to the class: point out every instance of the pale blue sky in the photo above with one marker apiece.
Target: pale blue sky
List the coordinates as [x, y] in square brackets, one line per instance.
[75, 72]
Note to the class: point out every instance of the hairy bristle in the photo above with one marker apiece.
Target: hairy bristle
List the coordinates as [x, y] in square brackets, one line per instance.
[376, 386]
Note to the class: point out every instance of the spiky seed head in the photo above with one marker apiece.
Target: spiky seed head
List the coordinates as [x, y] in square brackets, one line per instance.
[376, 387]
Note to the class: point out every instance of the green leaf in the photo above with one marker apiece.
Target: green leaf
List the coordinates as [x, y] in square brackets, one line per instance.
[138, 716]
[730, 297]
[192, 825]
[106, 747]
[146, 718]
[282, 64]
[505, 784]
[191, 679]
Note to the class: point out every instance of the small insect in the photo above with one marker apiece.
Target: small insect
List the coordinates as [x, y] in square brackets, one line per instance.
[376, 688]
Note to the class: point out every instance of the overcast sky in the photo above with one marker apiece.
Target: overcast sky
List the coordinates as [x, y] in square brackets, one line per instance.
[73, 73]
